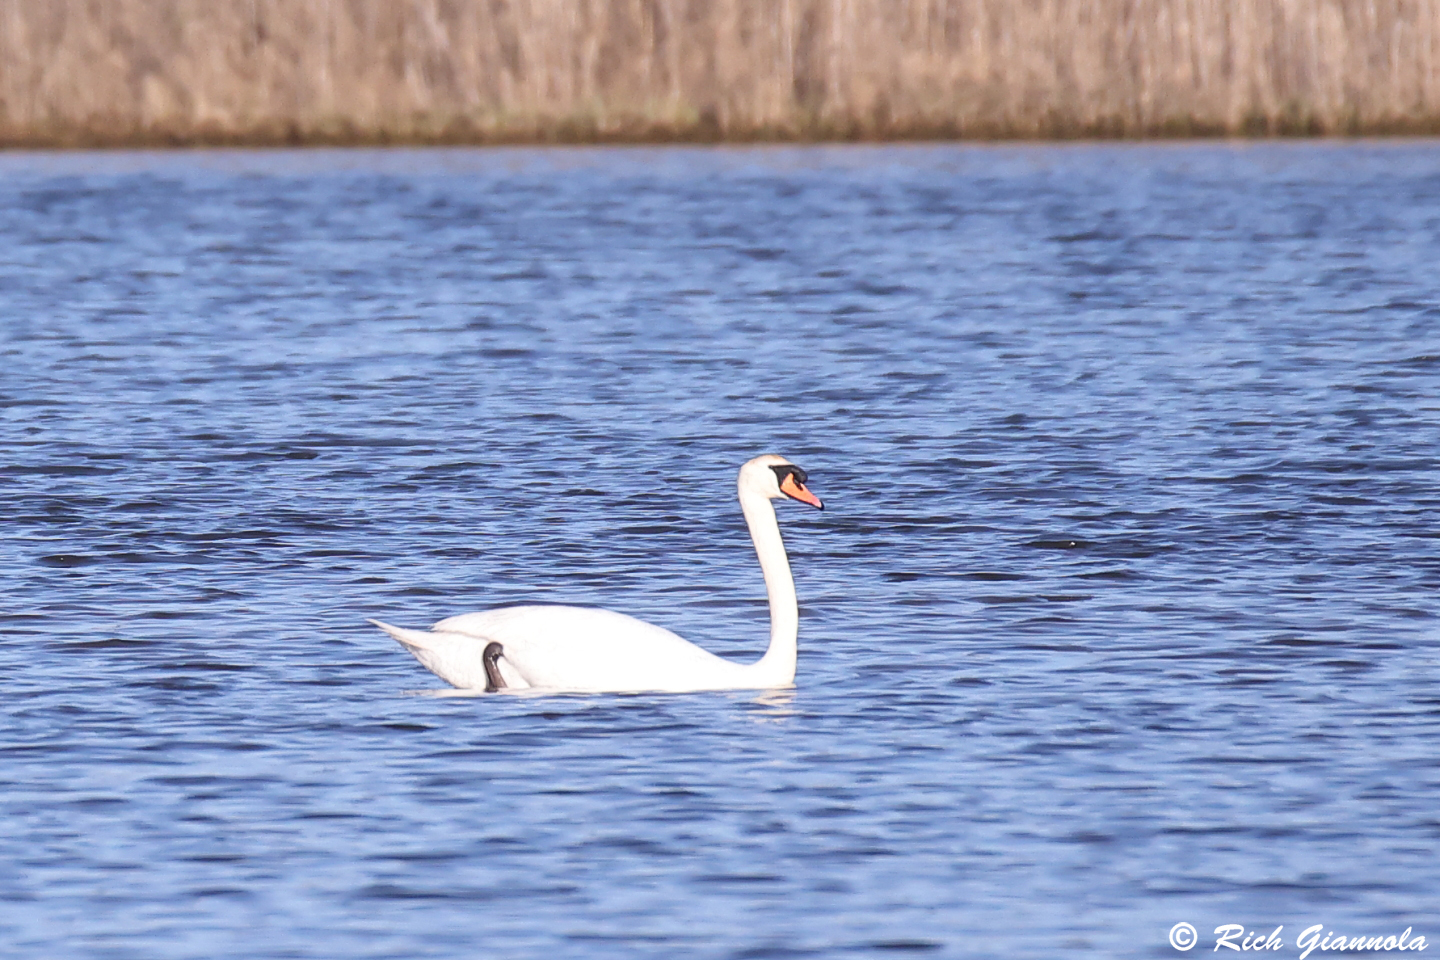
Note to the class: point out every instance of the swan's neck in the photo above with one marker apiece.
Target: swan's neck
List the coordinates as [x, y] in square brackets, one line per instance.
[778, 665]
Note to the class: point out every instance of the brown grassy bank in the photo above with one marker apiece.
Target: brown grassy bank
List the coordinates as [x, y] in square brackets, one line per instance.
[98, 72]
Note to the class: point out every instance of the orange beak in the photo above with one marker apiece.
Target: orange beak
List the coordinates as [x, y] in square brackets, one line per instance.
[796, 490]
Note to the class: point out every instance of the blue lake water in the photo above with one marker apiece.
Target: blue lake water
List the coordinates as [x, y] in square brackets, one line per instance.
[1124, 609]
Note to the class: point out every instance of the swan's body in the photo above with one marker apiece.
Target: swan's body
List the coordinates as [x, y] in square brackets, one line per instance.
[586, 649]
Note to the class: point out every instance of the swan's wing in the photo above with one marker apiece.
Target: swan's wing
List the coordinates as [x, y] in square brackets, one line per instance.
[589, 649]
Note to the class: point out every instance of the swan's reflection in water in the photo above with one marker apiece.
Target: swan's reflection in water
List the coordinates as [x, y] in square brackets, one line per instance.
[444, 693]
[773, 706]
[766, 706]
[463, 693]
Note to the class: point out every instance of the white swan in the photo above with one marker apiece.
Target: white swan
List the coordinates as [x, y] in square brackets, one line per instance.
[584, 649]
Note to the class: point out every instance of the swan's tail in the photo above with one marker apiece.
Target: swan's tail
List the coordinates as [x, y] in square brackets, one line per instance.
[456, 658]
[411, 640]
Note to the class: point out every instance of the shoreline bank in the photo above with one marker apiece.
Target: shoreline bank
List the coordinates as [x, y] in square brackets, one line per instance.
[157, 73]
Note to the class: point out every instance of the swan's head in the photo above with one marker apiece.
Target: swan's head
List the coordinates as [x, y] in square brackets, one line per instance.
[773, 477]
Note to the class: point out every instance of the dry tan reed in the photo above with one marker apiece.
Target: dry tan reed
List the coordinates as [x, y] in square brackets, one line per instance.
[95, 72]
